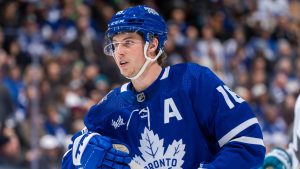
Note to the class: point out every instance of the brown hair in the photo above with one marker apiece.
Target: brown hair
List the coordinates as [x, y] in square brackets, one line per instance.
[161, 60]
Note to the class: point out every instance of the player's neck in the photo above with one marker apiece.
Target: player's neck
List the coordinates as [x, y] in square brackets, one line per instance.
[147, 78]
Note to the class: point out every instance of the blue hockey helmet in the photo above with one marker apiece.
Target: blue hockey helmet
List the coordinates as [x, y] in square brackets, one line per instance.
[140, 19]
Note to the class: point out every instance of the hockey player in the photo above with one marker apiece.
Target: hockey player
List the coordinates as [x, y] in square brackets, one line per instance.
[182, 116]
[287, 159]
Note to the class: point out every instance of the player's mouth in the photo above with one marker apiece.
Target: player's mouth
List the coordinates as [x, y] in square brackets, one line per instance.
[123, 63]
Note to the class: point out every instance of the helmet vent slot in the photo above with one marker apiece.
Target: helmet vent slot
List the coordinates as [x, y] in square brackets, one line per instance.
[136, 21]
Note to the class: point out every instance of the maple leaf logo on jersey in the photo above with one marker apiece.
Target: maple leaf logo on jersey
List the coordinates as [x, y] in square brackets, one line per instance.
[154, 154]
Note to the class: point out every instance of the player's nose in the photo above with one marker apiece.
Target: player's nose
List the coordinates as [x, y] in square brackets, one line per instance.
[119, 53]
[119, 49]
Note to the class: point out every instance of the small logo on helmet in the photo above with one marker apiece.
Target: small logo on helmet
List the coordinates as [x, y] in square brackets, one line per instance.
[117, 22]
[150, 10]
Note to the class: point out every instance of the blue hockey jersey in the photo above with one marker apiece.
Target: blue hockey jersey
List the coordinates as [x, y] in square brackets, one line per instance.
[187, 117]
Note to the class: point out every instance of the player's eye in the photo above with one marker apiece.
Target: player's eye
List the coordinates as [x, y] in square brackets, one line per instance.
[128, 43]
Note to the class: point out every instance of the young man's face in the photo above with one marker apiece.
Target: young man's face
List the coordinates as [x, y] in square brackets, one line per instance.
[129, 53]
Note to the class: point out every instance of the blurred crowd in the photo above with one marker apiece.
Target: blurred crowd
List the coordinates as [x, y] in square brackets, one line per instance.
[52, 65]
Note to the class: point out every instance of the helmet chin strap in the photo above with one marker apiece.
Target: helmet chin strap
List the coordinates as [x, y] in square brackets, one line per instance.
[147, 62]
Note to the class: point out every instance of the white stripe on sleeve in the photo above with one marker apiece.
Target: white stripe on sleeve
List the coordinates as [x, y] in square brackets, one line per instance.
[232, 133]
[249, 140]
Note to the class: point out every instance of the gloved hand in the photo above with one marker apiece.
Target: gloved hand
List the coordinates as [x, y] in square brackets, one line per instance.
[277, 158]
[91, 151]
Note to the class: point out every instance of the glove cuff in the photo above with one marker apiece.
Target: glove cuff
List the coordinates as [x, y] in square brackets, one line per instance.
[79, 147]
[282, 156]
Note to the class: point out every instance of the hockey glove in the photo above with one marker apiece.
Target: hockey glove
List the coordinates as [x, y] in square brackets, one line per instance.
[277, 158]
[91, 150]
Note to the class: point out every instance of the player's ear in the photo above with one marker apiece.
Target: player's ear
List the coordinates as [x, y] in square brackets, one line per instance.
[153, 47]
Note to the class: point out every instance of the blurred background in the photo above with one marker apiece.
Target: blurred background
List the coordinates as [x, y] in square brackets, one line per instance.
[52, 66]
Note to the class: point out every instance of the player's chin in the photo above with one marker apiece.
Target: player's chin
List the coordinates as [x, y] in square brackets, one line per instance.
[126, 73]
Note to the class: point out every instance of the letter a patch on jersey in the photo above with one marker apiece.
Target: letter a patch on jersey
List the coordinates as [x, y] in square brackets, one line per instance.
[170, 110]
